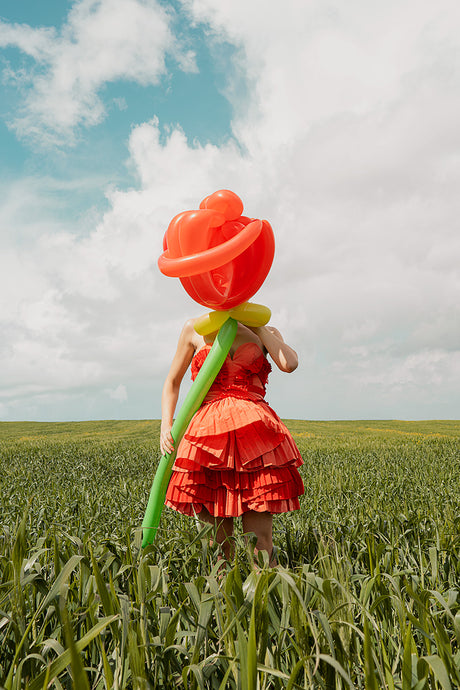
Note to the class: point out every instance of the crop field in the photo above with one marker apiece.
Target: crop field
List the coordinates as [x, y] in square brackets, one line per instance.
[366, 594]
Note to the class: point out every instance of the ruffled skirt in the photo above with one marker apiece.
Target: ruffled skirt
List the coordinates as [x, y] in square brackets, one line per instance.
[236, 456]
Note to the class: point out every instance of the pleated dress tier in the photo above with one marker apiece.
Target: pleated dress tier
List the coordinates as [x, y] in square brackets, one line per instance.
[236, 455]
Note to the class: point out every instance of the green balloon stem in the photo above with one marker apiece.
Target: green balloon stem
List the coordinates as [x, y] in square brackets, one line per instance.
[195, 396]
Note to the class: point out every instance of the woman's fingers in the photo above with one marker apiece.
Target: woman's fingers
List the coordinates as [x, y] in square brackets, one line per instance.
[166, 442]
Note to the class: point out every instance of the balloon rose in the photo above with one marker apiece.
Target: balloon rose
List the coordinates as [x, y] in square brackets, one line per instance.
[221, 257]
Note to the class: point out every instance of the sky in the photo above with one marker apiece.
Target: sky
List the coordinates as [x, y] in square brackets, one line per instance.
[337, 122]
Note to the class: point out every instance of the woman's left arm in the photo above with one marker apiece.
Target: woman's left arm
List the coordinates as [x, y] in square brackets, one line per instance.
[284, 356]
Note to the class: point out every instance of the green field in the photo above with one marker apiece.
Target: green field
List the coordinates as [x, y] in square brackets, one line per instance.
[366, 594]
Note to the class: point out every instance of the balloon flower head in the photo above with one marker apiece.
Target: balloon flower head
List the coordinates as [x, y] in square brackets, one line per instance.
[221, 257]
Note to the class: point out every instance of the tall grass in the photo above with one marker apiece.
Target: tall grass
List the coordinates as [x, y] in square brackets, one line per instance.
[366, 594]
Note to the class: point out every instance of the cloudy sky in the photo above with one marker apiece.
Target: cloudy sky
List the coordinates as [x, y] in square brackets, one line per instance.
[338, 122]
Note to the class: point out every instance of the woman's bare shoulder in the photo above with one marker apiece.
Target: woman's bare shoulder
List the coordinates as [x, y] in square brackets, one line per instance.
[189, 334]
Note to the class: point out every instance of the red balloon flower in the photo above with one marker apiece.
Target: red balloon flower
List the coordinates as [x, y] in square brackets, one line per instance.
[221, 257]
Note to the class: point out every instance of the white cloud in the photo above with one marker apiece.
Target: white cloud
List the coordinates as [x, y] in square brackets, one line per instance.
[119, 393]
[36, 42]
[102, 41]
[350, 141]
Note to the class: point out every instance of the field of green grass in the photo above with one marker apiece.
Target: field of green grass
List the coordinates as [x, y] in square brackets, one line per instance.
[367, 593]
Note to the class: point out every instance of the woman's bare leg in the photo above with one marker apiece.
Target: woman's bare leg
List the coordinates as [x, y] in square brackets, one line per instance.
[224, 531]
[262, 526]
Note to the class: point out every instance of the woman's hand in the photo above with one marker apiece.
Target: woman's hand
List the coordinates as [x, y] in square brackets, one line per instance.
[166, 440]
[284, 356]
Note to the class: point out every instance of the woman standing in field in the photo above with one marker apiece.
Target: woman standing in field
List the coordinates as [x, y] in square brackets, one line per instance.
[237, 458]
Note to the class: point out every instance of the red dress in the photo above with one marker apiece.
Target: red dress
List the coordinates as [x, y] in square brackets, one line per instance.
[236, 455]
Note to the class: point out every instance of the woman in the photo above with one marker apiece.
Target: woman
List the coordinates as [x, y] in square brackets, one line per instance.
[236, 457]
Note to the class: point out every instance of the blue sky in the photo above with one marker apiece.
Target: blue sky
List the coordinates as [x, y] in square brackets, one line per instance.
[192, 100]
[337, 123]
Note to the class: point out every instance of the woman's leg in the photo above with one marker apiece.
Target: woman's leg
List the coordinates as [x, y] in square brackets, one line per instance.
[224, 531]
[261, 524]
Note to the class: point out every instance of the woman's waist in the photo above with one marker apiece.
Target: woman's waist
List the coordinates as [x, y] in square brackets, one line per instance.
[254, 393]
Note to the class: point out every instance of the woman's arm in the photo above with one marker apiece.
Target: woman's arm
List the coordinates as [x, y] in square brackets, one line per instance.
[284, 356]
[180, 364]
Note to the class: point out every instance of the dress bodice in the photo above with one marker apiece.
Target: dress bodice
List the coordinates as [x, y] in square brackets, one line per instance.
[246, 372]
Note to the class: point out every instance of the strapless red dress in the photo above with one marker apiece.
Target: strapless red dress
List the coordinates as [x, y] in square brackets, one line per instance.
[236, 455]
